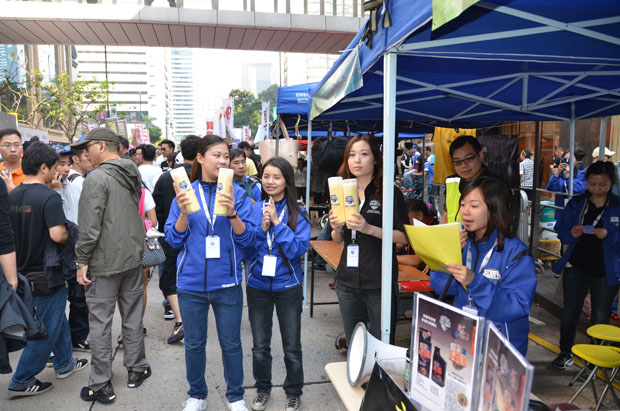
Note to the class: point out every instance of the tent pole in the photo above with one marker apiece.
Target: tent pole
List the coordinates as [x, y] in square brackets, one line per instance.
[308, 168]
[535, 217]
[601, 139]
[389, 123]
[572, 150]
[424, 183]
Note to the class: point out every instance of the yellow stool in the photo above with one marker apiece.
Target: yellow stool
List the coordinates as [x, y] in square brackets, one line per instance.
[605, 334]
[603, 357]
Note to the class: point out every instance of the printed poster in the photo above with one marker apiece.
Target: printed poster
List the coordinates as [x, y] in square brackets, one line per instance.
[444, 359]
[507, 376]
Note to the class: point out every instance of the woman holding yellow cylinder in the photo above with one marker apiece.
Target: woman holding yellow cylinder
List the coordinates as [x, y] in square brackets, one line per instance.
[358, 276]
[209, 272]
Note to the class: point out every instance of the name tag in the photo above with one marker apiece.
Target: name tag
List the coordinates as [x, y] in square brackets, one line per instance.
[269, 265]
[470, 310]
[213, 247]
[353, 256]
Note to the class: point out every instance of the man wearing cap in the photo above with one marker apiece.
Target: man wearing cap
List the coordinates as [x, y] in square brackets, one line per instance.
[410, 164]
[109, 253]
[606, 157]
[11, 150]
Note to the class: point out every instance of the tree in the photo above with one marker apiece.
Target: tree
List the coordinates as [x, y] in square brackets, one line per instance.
[61, 103]
[154, 131]
[270, 94]
[247, 109]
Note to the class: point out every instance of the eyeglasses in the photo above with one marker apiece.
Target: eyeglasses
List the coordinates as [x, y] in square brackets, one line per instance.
[466, 160]
[8, 146]
[91, 144]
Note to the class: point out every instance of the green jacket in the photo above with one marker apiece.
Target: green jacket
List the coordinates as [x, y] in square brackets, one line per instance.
[111, 231]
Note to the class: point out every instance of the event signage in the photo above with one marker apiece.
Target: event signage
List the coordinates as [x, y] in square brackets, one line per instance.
[507, 376]
[445, 345]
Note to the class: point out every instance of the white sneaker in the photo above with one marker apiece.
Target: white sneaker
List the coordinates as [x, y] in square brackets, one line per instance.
[237, 406]
[194, 404]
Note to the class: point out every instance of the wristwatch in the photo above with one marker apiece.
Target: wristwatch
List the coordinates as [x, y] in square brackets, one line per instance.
[231, 217]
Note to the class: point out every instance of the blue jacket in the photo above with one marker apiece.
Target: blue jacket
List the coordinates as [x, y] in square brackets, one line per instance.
[292, 243]
[503, 292]
[251, 186]
[580, 185]
[192, 272]
[611, 243]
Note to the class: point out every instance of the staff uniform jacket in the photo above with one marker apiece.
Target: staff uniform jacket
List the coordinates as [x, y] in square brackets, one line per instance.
[293, 244]
[611, 244]
[368, 275]
[503, 292]
[111, 239]
[194, 271]
[561, 184]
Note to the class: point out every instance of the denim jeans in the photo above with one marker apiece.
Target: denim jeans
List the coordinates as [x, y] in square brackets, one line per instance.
[358, 305]
[227, 306]
[576, 285]
[288, 305]
[51, 310]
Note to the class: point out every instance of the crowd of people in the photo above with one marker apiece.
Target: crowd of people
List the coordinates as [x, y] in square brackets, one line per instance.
[73, 223]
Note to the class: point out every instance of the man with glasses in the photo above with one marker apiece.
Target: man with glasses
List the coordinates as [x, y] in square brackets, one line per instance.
[109, 255]
[11, 151]
[466, 153]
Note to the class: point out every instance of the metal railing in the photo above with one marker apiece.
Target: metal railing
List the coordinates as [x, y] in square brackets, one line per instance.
[343, 8]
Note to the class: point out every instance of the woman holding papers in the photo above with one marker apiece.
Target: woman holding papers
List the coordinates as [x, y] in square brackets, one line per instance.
[358, 276]
[209, 271]
[281, 235]
[590, 225]
[498, 278]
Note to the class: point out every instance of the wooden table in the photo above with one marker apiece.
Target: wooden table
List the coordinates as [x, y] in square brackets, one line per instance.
[351, 397]
[410, 279]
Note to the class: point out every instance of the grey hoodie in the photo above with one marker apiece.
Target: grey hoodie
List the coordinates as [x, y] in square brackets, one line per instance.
[111, 237]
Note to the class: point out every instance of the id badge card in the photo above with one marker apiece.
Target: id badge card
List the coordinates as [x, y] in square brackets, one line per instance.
[470, 310]
[269, 265]
[213, 247]
[353, 256]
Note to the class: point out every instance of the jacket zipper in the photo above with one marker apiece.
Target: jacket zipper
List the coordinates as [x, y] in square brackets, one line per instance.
[230, 260]
[206, 261]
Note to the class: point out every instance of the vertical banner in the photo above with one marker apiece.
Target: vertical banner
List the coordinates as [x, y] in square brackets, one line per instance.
[247, 133]
[263, 130]
[146, 138]
[228, 111]
[211, 125]
[220, 129]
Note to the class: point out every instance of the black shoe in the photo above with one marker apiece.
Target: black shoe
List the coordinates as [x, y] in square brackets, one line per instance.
[563, 360]
[168, 314]
[104, 395]
[83, 346]
[35, 389]
[136, 378]
[79, 365]
[50, 360]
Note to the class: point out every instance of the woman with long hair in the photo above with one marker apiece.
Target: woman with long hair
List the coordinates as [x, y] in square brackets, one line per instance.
[209, 272]
[281, 231]
[358, 283]
[497, 279]
[590, 225]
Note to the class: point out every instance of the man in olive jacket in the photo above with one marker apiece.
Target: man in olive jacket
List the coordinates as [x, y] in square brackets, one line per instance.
[109, 253]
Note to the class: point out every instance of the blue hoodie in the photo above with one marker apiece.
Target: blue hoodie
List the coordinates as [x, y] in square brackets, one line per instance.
[503, 292]
[292, 243]
[611, 244]
[192, 272]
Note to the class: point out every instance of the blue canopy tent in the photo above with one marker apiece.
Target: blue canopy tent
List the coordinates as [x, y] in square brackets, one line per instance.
[499, 60]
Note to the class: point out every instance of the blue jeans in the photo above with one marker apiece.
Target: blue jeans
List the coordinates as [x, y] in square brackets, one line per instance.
[227, 306]
[51, 310]
[408, 179]
[576, 285]
[288, 305]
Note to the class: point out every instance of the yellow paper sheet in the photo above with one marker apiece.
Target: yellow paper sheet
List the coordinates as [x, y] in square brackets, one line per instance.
[436, 244]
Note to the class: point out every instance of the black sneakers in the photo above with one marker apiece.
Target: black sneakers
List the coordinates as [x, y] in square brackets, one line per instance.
[104, 395]
[35, 389]
[565, 359]
[82, 346]
[168, 314]
[136, 378]
[79, 364]
[177, 333]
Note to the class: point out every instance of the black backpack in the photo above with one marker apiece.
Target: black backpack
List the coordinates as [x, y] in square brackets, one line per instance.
[328, 152]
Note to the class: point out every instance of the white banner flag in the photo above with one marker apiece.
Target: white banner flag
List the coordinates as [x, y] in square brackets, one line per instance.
[211, 125]
[263, 130]
[228, 110]
[247, 133]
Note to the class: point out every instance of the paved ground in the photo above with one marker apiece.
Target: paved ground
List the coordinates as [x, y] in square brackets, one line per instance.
[166, 389]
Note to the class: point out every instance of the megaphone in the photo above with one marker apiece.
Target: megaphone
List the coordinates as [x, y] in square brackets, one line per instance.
[364, 349]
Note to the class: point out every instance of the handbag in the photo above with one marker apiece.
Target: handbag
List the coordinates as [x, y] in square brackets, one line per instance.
[153, 253]
[288, 148]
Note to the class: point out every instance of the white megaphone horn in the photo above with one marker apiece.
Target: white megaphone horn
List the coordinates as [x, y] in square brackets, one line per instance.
[364, 349]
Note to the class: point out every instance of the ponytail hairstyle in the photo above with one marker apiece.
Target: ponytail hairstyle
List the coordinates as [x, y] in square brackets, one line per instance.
[496, 195]
[203, 146]
[290, 192]
[377, 175]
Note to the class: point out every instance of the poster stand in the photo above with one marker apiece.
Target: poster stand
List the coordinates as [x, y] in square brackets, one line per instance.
[506, 375]
[445, 351]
